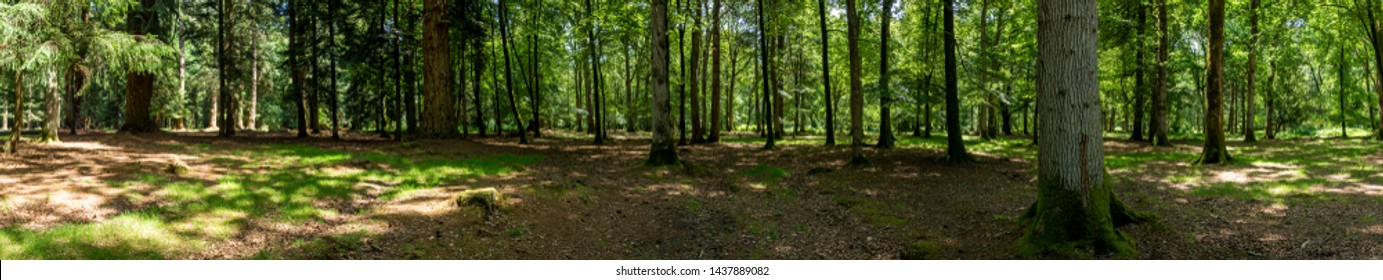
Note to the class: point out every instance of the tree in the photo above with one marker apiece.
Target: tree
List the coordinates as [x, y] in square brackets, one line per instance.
[1214, 150]
[955, 144]
[663, 151]
[885, 91]
[438, 118]
[1252, 70]
[1076, 210]
[826, 74]
[852, 15]
[508, 72]
[715, 73]
[139, 86]
[1159, 116]
[764, 73]
[224, 61]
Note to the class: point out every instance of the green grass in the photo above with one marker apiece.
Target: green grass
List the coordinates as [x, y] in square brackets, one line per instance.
[766, 174]
[287, 184]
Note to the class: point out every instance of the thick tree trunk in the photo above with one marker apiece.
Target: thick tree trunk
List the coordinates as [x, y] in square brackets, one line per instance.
[852, 15]
[715, 73]
[297, 65]
[1159, 116]
[1214, 150]
[1076, 210]
[955, 145]
[1252, 71]
[52, 105]
[139, 86]
[663, 151]
[886, 96]
[438, 120]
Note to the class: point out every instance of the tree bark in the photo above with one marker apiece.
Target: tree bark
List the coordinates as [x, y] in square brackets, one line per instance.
[139, 86]
[226, 98]
[508, 72]
[826, 74]
[438, 120]
[698, 131]
[955, 144]
[1076, 210]
[1214, 150]
[1159, 116]
[1139, 96]
[715, 73]
[663, 151]
[12, 146]
[852, 15]
[764, 73]
[886, 92]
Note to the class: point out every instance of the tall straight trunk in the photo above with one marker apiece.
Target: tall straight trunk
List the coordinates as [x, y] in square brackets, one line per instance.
[225, 96]
[1139, 91]
[535, 88]
[628, 89]
[682, 83]
[715, 72]
[593, 50]
[886, 96]
[1270, 130]
[314, 82]
[730, 92]
[764, 73]
[299, 71]
[1342, 90]
[1159, 115]
[852, 15]
[477, 71]
[984, 108]
[331, 39]
[955, 145]
[1252, 71]
[1076, 209]
[12, 146]
[1377, 43]
[1214, 150]
[139, 86]
[663, 151]
[252, 120]
[927, 111]
[439, 121]
[826, 73]
[777, 60]
[508, 72]
[52, 105]
[698, 131]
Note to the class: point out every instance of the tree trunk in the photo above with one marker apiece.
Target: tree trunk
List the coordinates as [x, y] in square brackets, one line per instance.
[852, 15]
[826, 74]
[764, 73]
[52, 105]
[663, 151]
[715, 73]
[477, 71]
[1139, 92]
[331, 37]
[13, 144]
[297, 65]
[508, 72]
[225, 96]
[1214, 150]
[438, 120]
[886, 92]
[1076, 209]
[698, 132]
[682, 83]
[955, 145]
[1159, 116]
[139, 85]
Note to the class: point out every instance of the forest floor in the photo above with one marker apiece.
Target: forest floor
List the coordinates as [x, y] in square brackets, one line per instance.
[267, 196]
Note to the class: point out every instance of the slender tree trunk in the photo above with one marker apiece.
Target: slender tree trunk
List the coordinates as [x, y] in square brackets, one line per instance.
[477, 71]
[663, 151]
[13, 144]
[1139, 92]
[226, 97]
[52, 101]
[698, 131]
[682, 84]
[826, 74]
[1214, 150]
[331, 38]
[508, 72]
[955, 145]
[764, 73]
[734, 76]
[715, 73]
[296, 63]
[886, 96]
[1342, 90]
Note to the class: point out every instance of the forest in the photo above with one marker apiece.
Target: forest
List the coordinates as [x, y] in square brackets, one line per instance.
[691, 129]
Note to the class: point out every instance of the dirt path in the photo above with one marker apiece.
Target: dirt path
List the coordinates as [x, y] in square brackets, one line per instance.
[733, 201]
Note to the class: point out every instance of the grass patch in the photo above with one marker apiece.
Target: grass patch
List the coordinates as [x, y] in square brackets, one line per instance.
[766, 174]
[126, 236]
[876, 213]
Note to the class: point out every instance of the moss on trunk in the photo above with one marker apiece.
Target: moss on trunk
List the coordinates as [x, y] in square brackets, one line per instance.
[1068, 224]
